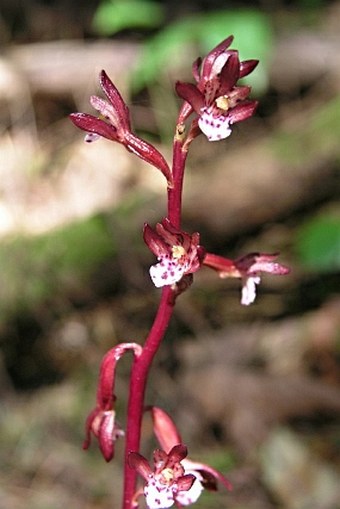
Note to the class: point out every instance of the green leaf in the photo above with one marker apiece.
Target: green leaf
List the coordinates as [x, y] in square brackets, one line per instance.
[112, 16]
[318, 243]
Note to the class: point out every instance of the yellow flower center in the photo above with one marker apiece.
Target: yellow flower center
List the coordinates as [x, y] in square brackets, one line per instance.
[167, 475]
[222, 102]
[178, 252]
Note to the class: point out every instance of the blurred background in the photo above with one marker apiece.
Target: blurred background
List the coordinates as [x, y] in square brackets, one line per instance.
[255, 391]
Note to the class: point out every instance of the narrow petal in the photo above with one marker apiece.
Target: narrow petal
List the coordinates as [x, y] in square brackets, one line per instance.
[271, 268]
[106, 110]
[191, 495]
[88, 428]
[247, 66]
[209, 475]
[267, 263]
[238, 94]
[165, 429]
[230, 73]
[171, 235]
[116, 100]
[104, 427]
[185, 482]
[140, 464]
[106, 435]
[160, 458]
[177, 454]
[185, 112]
[242, 111]
[105, 391]
[253, 263]
[215, 128]
[191, 94]
[155, 242]
[95, 125]
[211, 57]
[196, 68]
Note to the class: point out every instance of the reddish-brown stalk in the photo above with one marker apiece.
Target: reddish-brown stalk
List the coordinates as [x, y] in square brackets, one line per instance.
[142, 364]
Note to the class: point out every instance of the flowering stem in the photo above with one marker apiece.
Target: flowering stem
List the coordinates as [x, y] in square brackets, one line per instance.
[218, 103]
[142, 364]
[175, 193]
[139, 374]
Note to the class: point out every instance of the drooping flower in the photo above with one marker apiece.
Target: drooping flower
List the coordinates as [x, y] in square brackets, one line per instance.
[216, 98]
[167, 435]
[114, 124]
[178, 252]
[102, 423]
[102, 420]
[248, 268]
[167, 483]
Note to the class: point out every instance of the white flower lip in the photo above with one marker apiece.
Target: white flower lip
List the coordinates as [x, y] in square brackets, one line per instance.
[215, 128]
[167, 272]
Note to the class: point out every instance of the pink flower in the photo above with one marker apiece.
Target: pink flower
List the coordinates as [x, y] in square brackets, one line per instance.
[114, 124]
[167, 483]
[248, 268]
[206, 476]
[179, 253]
[217, 100]
[102, 420]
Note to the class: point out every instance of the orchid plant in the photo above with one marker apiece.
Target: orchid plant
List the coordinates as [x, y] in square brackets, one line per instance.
[210, 107]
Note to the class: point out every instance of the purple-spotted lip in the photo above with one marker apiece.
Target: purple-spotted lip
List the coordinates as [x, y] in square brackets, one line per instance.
[214, 127]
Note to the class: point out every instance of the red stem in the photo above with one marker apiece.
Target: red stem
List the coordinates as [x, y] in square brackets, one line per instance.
[139, 373]
[175, 193]
[142, 364]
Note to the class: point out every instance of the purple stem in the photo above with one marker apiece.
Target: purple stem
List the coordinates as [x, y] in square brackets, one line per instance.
[141, 365]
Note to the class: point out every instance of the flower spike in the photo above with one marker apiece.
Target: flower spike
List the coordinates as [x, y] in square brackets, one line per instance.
[216, 100]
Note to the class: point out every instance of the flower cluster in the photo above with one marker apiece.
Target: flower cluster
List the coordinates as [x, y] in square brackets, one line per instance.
[216, 98]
